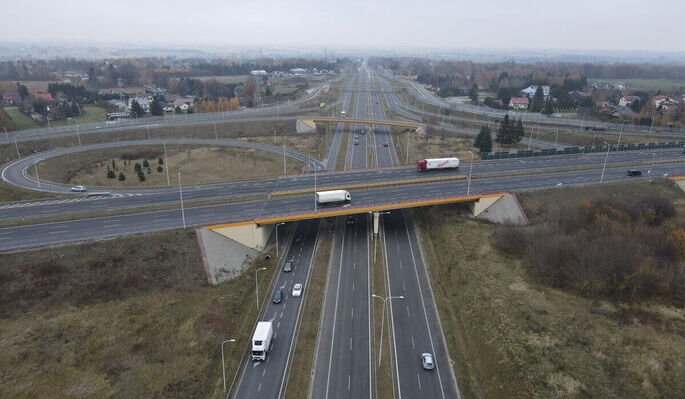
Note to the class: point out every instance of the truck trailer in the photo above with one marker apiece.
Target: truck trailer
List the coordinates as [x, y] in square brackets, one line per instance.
[436, 164]
[333, 197]
[261, 340]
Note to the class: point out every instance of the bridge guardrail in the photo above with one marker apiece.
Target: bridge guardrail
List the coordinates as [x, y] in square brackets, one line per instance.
[578, 150]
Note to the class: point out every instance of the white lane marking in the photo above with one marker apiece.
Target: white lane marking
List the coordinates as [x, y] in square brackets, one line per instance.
[412, 342]
[264, 372]
[281, 316]
[419, 380]
[278, 325]
[352, 312]
[259, 388]
[350, 343]
[335, 313]
[353, 286]
[349, 381]
[407, 311]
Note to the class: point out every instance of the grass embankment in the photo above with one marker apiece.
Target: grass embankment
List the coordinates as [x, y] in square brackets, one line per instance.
[19, 120]
[303, 353]
[10, 193]
[384, 383]
[441, 144]
[199, 164]
[132, 317]
[511, 336]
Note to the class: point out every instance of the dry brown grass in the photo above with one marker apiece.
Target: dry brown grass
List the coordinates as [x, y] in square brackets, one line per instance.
[131, 317]
[511, 337]
[198, 165]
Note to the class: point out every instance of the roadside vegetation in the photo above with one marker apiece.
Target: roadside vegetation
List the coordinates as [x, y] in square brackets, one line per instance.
[583, 303]
[132, 317]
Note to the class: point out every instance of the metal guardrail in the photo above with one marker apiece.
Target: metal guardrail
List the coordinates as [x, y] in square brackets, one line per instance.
[578, 150]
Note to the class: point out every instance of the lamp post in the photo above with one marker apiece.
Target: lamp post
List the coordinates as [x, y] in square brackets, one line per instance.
[166, 166]
[180, 190]
[468, 186]
[6, 134]
[380, 351]
[619, 137]
[223, 365]
[35, 165]
[256, 285]
[78, 132]
[277, 224]
[605, 161]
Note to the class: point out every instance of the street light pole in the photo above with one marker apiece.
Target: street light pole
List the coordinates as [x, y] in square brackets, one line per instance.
[17, 147]
[605, 161]
[223, 364]
[380, 351]
[6, 134]
[180, 190]
[256, 285]
[277, 224]
[166, 166]
[468, 186]
[35, 165]
[619, 137]
[78, 133]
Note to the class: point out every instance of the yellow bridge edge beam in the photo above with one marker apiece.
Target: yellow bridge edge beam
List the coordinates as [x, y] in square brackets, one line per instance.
[368, 122]
[369, 185]
[398, 205]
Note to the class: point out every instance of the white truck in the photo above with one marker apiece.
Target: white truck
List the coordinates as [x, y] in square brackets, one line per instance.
[333, 197]
[436, 164]
[261, 340]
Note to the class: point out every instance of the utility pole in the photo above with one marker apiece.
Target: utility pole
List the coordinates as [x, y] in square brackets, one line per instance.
[284, 170]
[35, 165]
[605, 162]
[166, 166]
[468, 187]
[17, 147]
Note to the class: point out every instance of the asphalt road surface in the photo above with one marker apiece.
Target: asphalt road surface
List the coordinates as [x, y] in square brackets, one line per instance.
[268, 379]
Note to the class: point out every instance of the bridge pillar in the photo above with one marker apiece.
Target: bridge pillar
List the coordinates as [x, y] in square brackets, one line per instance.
[250, 235]
[305, 126]
[500, 209]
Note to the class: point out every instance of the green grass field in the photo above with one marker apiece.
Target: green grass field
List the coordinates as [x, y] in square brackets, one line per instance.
[90, 113]
[20, 120]
[647, 84]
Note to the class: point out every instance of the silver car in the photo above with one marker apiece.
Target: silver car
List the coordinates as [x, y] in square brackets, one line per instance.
[427, 361]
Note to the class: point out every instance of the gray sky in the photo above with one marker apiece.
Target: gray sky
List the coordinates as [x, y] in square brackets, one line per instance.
[654, 25]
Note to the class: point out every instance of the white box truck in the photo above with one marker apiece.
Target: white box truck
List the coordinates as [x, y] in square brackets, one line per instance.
[333, 197]
[261, 340]
[437, 163]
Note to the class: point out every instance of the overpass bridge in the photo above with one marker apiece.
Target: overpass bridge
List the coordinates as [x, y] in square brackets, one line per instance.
[308, 124]
[254, 233]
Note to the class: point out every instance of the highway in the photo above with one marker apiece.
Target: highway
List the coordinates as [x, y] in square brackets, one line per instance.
[342, 366]
[414, 319]
[268, 379]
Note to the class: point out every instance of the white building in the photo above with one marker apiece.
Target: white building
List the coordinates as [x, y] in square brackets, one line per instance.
[530, 91]
[144, 103]
[258, 72]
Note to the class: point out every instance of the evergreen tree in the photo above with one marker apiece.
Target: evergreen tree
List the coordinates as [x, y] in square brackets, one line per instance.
[122, 177]
[473, 94]
[136, 110]
[503, 130]
[538, 100]
[23, 91]
[110, 174]
[156, 107]
[484, 140]
[518, 132]
[548, 110]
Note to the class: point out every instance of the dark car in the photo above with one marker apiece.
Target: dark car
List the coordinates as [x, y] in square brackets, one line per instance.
[349, 219]
[288, 266]
[634, 172]
[278, 296]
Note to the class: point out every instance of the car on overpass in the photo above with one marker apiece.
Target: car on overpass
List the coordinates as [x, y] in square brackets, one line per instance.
[79, 189]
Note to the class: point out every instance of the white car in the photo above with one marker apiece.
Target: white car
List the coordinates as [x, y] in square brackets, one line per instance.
[427, 360]
[297, 290]
[79, 189]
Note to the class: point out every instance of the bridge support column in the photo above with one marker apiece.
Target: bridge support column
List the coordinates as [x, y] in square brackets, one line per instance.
[305, 126]
[501, 209]
[250, 234]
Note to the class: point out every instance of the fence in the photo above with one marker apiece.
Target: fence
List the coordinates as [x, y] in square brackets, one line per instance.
[579, 150]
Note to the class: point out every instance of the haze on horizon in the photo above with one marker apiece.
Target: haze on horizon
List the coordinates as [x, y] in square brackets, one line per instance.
[614, 25]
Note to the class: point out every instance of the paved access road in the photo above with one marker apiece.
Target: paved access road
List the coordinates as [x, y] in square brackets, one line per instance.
[268, 379]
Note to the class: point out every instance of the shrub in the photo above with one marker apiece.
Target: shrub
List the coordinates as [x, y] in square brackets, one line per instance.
[159, 169]
[160, 161]
[146, 164]
[111, 174]
[141, 175]
[122, 177]
[137, 167]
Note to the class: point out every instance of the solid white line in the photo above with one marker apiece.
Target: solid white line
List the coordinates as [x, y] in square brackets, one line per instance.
[390, 315]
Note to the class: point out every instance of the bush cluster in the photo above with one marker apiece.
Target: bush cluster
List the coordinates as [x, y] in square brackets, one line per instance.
[621, 250]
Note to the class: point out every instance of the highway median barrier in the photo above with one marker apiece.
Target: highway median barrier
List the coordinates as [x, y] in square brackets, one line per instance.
[371, 185]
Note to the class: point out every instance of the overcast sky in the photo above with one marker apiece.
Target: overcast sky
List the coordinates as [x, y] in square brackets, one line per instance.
[655, 25]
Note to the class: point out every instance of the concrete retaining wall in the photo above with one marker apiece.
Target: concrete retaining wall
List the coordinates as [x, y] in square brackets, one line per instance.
[224, 258]
[504, 209]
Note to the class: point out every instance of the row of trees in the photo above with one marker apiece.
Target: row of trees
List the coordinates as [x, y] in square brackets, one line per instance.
[508, 133]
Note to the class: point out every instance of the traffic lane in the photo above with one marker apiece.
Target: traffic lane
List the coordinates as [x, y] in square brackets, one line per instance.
[89, 229]
[266, 379]
[349, 371]
[410, 327]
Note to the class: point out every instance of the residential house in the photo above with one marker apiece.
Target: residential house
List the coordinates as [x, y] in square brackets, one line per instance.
[531, 90]
[144, 103]
[44, 96]
[663, 102]
[519, 102]
[184, 103]
[119, 104]
[298, 71]
[156, 91]
[627, 101]
[578, 96]
[10, 98]
[258, 72]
